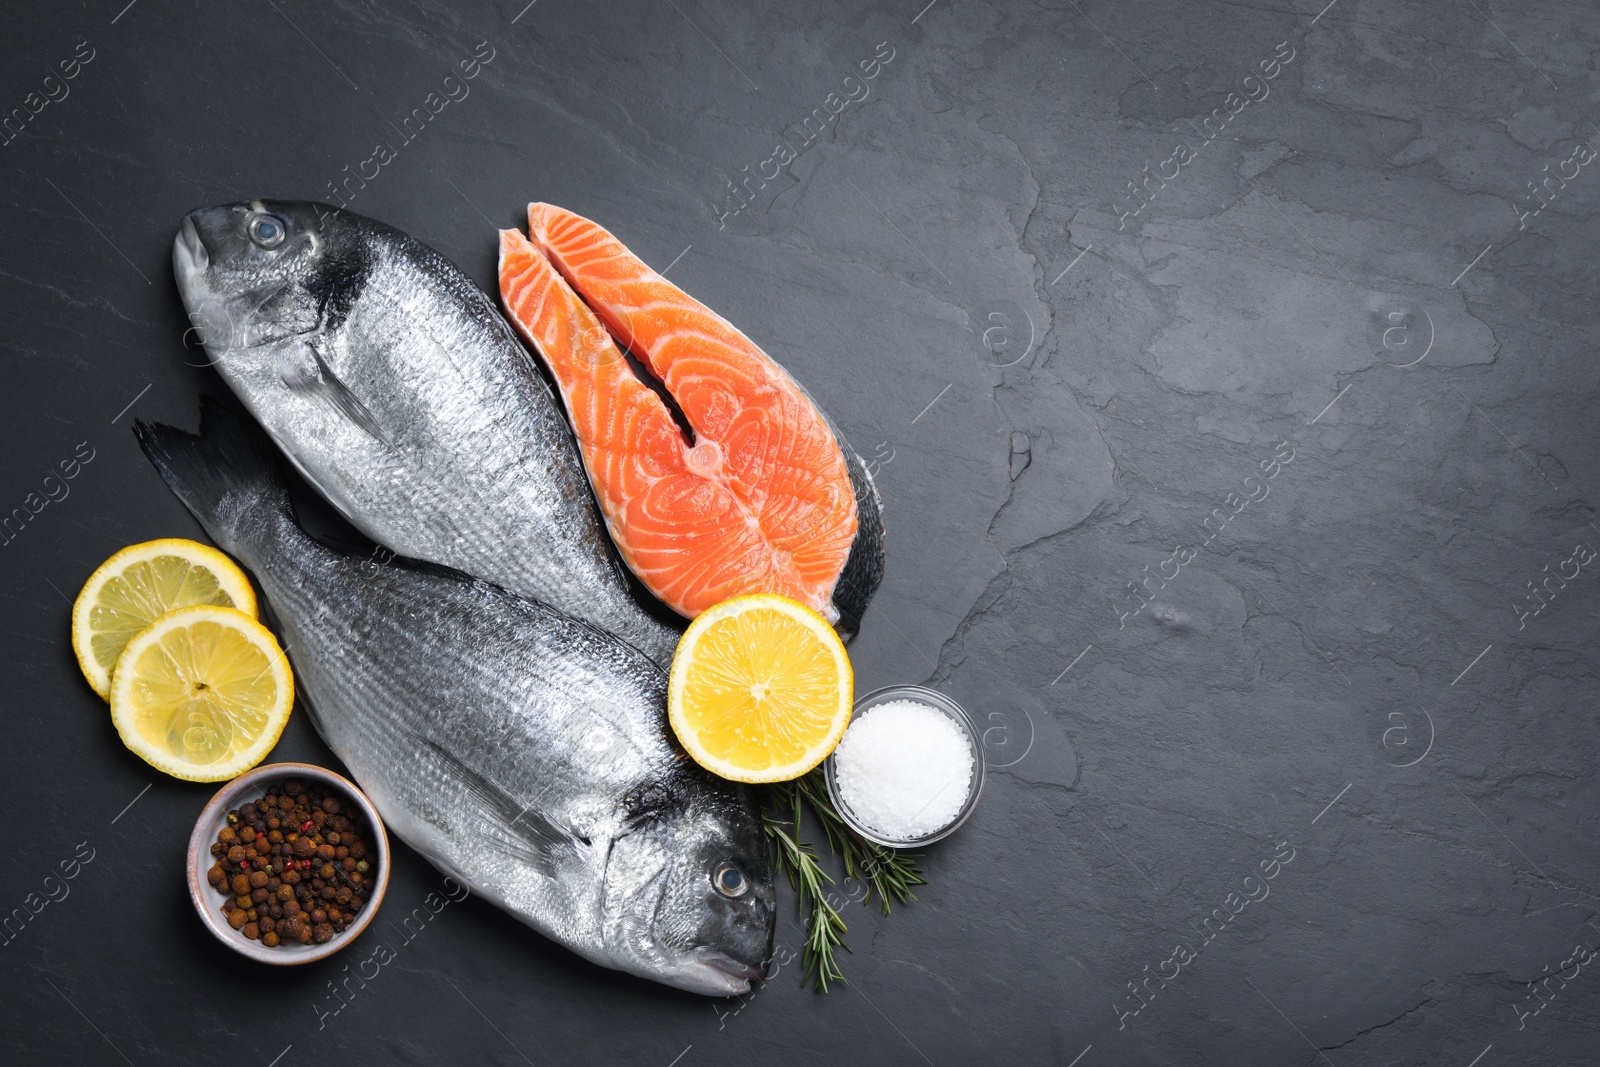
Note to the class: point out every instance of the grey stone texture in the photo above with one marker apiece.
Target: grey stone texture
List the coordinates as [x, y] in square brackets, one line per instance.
[1228, 374]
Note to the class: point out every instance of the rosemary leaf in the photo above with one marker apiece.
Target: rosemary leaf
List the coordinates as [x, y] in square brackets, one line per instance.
[886, 871]
[880, 869]
[825, 928]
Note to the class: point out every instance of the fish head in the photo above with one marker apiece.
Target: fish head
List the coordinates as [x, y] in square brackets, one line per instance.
[689, 898]
[259, 272]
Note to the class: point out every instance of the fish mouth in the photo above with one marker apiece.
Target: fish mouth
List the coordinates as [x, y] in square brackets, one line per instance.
[719, 974]
[189, 256]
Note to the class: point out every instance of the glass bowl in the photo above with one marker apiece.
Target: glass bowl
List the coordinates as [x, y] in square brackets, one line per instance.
[939, 702]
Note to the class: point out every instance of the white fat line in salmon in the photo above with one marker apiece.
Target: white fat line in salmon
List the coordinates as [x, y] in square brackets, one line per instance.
[410, 128]
[740, 195]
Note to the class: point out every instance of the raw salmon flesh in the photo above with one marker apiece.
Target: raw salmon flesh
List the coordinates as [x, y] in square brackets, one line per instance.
[762, 496]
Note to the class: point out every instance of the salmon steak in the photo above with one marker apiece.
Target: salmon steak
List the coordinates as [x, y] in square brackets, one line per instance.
[760, 495]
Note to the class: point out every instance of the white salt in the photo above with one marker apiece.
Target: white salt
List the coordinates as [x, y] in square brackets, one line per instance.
[903, 769]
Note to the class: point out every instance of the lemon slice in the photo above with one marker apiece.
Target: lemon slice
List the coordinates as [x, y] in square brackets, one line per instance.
[203, 693]
[140, 584]
[760, 689]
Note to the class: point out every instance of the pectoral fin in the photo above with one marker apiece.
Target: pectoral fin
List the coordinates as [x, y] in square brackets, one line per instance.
[508, 823]
[308, 374]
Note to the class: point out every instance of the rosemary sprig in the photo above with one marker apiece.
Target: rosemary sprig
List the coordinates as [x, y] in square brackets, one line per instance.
[886, 871]
[824, 926]
[879, 869]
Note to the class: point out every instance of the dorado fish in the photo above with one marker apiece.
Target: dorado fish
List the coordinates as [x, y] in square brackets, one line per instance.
[394, 385]
[761, 494]
[523, 752]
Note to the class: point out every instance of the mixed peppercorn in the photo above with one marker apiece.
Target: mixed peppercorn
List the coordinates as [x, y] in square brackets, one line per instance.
[294, 866]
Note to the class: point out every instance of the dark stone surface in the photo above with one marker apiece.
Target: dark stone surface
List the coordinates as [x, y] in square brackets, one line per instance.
[1342, 669]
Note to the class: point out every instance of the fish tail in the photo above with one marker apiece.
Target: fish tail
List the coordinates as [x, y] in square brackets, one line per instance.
[227, 475]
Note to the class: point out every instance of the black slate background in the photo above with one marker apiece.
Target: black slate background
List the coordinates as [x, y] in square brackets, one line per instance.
[1341, 672]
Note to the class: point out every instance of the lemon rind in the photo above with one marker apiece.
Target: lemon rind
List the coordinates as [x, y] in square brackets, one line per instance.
[684, 659]
[121, 714]
[229, 576]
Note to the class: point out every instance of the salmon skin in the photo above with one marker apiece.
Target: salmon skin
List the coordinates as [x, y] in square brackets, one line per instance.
[764, 496]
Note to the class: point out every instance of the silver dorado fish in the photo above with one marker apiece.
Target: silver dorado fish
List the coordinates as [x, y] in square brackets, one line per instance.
[523, 752]
[394, 385]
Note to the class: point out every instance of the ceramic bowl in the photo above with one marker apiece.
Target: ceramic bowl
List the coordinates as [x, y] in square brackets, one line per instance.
[939, 702]
[252, 785]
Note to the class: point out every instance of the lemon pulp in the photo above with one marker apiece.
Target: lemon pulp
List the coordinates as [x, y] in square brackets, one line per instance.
[137, 586]
[760, 689]
[203, 693]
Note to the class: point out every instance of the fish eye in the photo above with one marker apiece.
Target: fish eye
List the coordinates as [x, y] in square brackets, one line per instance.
[729, 880]
[267, 231]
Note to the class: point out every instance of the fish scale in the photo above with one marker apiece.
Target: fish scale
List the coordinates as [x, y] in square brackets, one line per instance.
[393, 385]
[522, 751]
